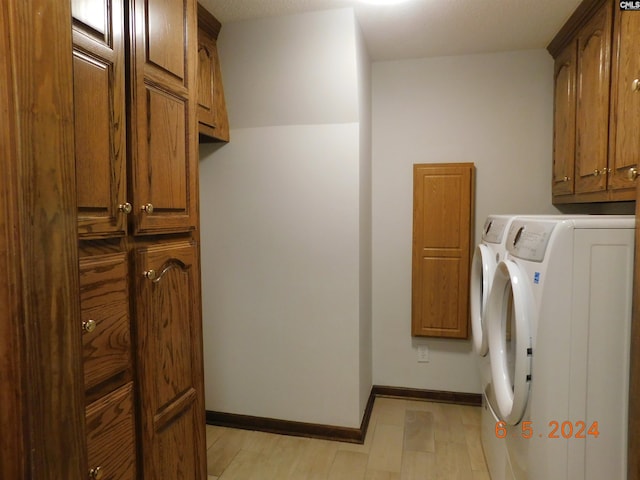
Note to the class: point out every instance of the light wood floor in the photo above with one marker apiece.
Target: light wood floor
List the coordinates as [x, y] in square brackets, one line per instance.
[406, 440]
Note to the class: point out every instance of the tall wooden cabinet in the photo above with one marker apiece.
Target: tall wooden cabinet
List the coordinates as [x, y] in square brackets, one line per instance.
[596, 104]
[136, 138]
[443, 199]
[213, 123]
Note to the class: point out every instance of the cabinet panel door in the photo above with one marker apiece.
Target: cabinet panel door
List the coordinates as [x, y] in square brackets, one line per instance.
[99, 107]
[442, 219]
[592, 124]
[111, 435]
[104, 300]
[206, 79]
[163, 114]
[625, 98]
[564, 118]
[169, 344]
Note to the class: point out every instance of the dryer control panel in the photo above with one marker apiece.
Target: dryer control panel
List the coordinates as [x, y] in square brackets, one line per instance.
[494, 229]
[529, 239]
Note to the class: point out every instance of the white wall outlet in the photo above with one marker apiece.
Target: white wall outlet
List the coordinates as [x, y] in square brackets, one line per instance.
[423, 354]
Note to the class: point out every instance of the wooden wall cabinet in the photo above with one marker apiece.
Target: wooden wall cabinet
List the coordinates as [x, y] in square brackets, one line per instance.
[213, 123]
[139, 241]
[595, 65]
[442, 230]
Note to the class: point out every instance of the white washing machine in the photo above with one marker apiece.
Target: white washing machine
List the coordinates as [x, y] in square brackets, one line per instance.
[487, 255]
[558, 324]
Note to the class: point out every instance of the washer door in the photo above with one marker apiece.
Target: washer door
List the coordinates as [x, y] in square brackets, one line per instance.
[509, 315]
[482, 270]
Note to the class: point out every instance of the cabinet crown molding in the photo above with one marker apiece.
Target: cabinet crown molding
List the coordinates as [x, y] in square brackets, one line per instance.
[569, 30]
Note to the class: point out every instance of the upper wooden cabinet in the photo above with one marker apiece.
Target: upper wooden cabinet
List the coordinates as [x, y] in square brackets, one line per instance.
[592, 97]
[624, 144]
[163, 114]
[100, 123]
[213, 123]
[564, 134]
[594, 113]
[442, 223]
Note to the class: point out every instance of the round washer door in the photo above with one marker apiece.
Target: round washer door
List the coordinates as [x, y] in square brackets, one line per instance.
[482, 270]
[509, 315]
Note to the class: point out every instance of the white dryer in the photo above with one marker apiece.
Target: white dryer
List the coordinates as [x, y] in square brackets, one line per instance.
[558, 325]
[487, 255]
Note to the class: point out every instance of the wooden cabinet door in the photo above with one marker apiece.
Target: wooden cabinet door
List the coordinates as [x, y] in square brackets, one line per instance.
[163, 115]
[206, 79]
[564, 121]
[100, 120]
[213, 123]
[442, 220]
[169, 358]
[104, 300]
[625, 100]
[592, 114]
[111, 436]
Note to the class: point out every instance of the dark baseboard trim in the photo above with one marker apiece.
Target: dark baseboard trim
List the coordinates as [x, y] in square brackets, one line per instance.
[299, 429]
[331, 432]
[460, 398]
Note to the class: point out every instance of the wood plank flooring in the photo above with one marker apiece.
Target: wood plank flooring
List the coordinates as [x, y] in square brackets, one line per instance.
[406, 440]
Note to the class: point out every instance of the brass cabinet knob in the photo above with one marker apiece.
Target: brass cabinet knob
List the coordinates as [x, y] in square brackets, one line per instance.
[150, 274]
[566, 179]
[635, 85]
[632, 174]
[96, 473]
[125, 208]
[596, 172]
[148, 208]
[89, 326]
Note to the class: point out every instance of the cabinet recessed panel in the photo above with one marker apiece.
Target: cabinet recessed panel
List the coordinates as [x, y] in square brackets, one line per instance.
[167, 151]
[94, 15]
[166, 35]
[440, 281]
[206, 69]
[440, 196]
[94, 161]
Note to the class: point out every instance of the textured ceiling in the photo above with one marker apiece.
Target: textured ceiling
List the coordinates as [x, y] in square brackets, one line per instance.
[426, 28]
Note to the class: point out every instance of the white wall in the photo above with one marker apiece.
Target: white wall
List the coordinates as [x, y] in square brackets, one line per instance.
[285, 222]
[364, 102]
[494, 110]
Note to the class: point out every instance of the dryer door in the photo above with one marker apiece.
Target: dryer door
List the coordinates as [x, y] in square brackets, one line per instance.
[482, 270]
[509, 315]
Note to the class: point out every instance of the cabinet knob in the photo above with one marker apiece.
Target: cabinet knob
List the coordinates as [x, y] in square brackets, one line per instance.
[632, 174]
[635, 85]
[596, 172]
[150, 274]
[89, 326]
[125, 208]
[566, 179]
[96, 473]
[148, 208]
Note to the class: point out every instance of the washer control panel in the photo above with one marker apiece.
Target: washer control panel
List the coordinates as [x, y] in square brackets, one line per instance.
[529, 240]
[494, 229]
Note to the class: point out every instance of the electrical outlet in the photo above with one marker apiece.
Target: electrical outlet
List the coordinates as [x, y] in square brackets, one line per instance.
[423, 354]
